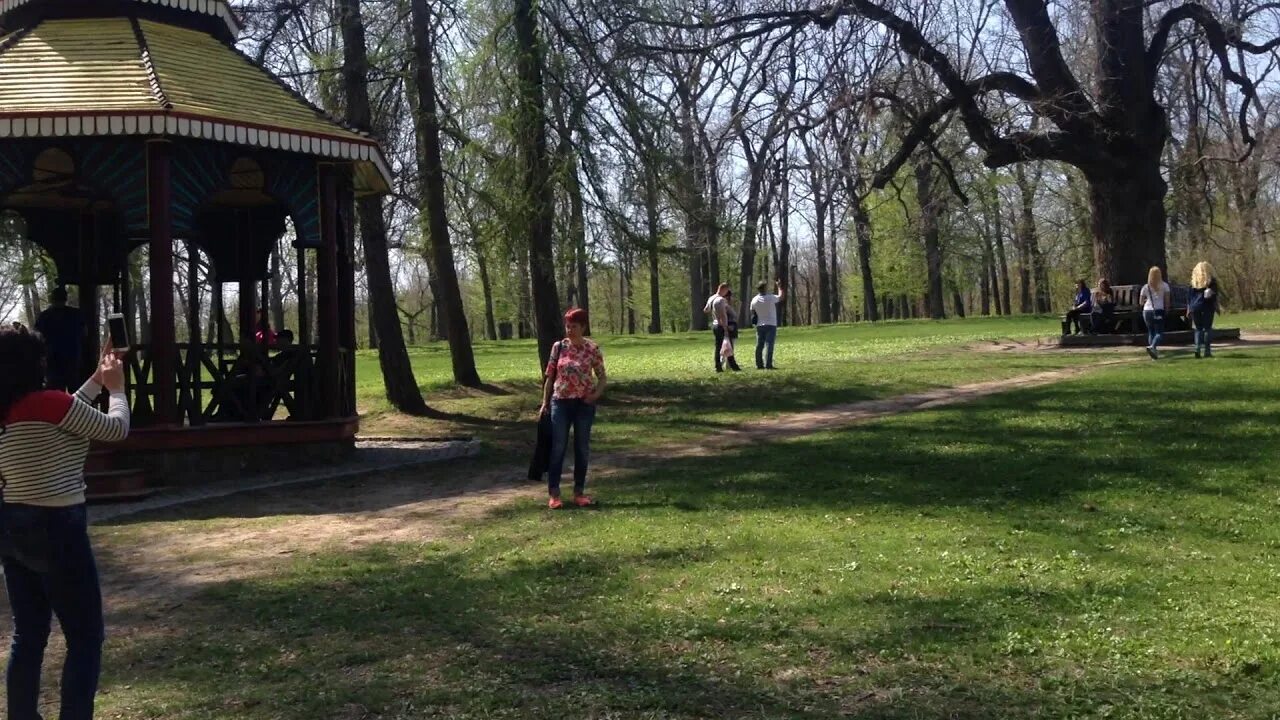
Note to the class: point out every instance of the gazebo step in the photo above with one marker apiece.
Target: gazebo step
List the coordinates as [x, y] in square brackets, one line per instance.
[130, 483]
[130, 496]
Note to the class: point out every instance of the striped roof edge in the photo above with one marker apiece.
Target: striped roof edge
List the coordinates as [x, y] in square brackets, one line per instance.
[216, 8]
[128, 77]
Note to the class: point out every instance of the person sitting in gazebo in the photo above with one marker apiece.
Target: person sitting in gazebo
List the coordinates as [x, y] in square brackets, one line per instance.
[265, 335]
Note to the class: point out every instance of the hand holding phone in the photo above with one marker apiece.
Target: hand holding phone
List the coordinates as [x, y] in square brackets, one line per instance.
[111, 372]
[119, 333]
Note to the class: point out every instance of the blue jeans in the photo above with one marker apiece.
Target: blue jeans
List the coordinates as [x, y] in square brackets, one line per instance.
[1203, 319]
[579, 414]
[766, 336]
[1155, 326]
[51, 571]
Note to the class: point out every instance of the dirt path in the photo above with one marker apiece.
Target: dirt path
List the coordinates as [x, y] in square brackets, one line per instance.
[148, 567]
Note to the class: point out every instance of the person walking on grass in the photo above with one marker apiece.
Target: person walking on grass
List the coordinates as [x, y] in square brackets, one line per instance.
[720, 311]
[569, 395]
[1156, 298]
[1202, 306]
[49, 568]
[765, 307]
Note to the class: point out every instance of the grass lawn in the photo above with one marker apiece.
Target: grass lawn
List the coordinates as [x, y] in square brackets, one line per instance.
[662, 387]
[1102, 548]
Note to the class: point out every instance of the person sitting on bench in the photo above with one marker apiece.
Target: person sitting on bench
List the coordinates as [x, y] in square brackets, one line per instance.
[1083, 305]
[1104, 308]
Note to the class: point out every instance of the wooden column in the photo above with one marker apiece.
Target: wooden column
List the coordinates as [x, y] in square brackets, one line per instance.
[347, 289]
[248, 307]
[329, 400]
[195, 339]
[87, 289]
[305, 390]
[162, 350]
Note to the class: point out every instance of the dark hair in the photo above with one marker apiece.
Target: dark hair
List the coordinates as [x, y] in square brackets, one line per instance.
[578, 316]
[21, 365]
[1081, 282]
[762, 287]
[58, 296]
[283, 334]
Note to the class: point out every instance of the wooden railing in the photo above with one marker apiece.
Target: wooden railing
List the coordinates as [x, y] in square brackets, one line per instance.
[231, 383]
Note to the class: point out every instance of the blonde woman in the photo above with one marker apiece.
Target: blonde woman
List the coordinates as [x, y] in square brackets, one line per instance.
[1202, 306]
[1156, 298]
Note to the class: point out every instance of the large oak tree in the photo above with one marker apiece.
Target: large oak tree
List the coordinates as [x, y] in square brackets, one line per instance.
[1114, 127]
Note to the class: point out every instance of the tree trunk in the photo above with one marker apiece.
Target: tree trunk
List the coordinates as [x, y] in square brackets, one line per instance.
[862, 227]
[988, 262]
[432, 197]
[1005, 296]
[524, 301]
[795, 306]
[578, 233]
[818, 187]
[654, 235]
[141, 298]
[930, 215]
[750, 234]
[486, 287]
[397, 372]
[836, 233]
[820, 237]
[30, 296]
[539, 202]
[957, 301]
[786, 270]
[711, 220]
[1128, 223]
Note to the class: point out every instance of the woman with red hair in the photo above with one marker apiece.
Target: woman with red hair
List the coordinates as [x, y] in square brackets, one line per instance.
[570, 394]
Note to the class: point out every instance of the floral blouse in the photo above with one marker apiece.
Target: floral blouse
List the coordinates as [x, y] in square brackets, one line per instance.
[572, 369]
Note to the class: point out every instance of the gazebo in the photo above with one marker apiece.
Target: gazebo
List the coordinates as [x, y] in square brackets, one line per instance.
[137, 123]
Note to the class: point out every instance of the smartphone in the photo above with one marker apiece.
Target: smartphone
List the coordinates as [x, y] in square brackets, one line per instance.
[119, 332]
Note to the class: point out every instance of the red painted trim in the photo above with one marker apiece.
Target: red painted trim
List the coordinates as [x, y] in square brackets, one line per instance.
[359, 140]
[238, 435]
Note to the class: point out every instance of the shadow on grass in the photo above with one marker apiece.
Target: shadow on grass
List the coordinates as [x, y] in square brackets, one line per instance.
[398, 632]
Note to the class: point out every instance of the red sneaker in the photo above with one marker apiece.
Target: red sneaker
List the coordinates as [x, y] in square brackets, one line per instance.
[583, 500]
[555, 503]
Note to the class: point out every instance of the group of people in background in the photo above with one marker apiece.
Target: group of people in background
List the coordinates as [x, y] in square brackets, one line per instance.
[1156, 298]
[724, 324]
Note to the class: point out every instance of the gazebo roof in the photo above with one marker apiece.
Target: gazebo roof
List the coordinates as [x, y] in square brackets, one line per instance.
[213, 8]
[130, 76]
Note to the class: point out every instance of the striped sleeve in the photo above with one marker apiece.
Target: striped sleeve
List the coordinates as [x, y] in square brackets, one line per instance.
[86, 421]
[88, 392]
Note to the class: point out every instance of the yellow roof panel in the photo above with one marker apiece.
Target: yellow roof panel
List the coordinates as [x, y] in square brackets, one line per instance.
[82, 65]
[110, 76]
[202, 76]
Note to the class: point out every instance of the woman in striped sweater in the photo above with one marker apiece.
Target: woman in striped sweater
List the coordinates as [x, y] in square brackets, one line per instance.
[48, 563]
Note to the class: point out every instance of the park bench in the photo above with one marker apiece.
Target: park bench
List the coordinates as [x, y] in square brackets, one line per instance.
[1127, 318]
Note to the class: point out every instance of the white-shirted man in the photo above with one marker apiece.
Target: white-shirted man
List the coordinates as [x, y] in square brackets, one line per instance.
[765, 307]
